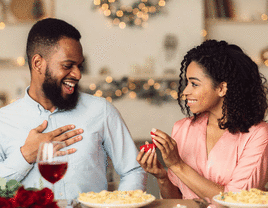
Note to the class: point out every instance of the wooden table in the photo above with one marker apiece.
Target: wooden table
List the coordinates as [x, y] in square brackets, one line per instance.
[170, 203]
[158, 203]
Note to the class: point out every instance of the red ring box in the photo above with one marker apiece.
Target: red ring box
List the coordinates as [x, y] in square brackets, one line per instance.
[147, 147]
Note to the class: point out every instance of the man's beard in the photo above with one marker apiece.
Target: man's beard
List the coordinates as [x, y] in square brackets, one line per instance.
[53, 92]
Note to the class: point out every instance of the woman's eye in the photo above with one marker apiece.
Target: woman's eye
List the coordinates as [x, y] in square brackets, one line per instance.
[194, 85]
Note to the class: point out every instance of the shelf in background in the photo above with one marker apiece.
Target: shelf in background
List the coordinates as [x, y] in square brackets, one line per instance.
[234, 21]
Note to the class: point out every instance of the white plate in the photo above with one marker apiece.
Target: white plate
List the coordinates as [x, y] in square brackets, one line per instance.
[149, 201]
[237, 205]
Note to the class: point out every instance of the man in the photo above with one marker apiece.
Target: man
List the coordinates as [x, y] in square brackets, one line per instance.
[89, 125]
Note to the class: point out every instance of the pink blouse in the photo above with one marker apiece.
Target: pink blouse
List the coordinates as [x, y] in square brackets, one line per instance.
[237, 161]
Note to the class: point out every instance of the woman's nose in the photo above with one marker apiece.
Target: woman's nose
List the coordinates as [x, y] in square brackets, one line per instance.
[186, 90]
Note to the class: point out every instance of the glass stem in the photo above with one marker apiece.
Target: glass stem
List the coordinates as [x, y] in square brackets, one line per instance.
[53, 190]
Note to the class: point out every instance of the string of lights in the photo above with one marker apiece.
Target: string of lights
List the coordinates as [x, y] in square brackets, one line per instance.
[136, 15]
[153, 90]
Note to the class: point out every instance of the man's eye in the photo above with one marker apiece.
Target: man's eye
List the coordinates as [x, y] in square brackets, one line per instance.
[68, 66]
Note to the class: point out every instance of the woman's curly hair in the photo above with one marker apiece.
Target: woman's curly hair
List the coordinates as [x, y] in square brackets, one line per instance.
[245, 102]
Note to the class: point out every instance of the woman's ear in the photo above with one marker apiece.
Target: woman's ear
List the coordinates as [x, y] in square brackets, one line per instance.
[222, 89]
[38, 64]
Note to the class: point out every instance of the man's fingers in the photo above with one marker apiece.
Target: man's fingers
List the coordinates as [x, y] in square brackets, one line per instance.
[62, 153]
[41, 127]
[61, 130]
[71, 151]
[73, 140]
[70, 134]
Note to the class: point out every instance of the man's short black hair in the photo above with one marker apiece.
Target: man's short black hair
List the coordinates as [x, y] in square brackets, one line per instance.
[45, 34]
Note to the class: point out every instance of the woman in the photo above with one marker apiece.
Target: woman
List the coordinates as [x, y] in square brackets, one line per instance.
[222, 146]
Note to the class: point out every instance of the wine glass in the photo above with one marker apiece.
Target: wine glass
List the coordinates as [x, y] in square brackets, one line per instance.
[52, 159]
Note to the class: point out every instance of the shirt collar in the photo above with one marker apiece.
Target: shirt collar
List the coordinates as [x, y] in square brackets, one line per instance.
[35, 105]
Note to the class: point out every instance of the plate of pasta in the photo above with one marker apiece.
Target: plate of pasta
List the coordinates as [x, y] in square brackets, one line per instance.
[116, 199]
[253, 198]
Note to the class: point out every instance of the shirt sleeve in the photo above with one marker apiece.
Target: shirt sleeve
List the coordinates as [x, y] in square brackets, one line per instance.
[14, 166]
[122, 151]
[252, 163]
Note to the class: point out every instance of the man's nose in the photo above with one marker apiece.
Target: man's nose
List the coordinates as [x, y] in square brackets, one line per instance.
[76, 73]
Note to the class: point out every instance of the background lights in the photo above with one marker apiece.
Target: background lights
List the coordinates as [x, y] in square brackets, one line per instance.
[136, 15]
[157, 90]
[92, 87]
[20, 61]
[2, 25]
[109, 79]
[132, 95]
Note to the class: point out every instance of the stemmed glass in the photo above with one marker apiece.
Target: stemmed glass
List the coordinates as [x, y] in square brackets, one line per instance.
[52, 159]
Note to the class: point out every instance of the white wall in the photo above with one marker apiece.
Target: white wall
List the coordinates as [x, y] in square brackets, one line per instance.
[106, 45]
[118, 49]
[247, 30]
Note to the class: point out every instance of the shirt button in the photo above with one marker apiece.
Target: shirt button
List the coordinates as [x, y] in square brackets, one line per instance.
[50, 116]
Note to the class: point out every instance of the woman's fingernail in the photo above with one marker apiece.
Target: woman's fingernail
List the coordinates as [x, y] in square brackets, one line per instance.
[153, 130]
[152, 135]
[142, 149]
[149, 151]
[153, 150]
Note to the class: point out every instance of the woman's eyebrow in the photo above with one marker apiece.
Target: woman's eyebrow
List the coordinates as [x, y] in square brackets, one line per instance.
[194, 78]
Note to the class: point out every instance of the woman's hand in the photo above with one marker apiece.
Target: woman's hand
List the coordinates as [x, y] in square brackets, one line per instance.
[151, 164]
[167, 146]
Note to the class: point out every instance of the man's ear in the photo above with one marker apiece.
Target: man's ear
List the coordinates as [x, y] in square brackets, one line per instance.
[38, 64]
[222, 89]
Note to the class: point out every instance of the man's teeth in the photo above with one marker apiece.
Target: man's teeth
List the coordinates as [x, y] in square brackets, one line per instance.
[69, 84]
[192, 101]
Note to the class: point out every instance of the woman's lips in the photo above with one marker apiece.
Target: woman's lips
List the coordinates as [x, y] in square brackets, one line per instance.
[191, 102]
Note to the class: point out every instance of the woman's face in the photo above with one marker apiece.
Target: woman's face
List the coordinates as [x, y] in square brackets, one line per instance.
[200, 94]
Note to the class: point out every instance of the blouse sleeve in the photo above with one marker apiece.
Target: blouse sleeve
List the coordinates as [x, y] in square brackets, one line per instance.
[182, 127]
[252, 162]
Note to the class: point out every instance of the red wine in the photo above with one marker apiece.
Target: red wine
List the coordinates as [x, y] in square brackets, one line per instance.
[52, 172]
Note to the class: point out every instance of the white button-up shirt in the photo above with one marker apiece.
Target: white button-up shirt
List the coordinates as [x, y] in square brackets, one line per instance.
[104, 133]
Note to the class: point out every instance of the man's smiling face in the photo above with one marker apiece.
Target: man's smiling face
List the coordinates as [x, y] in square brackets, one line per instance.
[63, 73]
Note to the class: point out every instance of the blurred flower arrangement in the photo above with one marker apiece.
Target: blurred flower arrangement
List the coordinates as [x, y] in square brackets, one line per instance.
[14, 195]
[135, 15]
